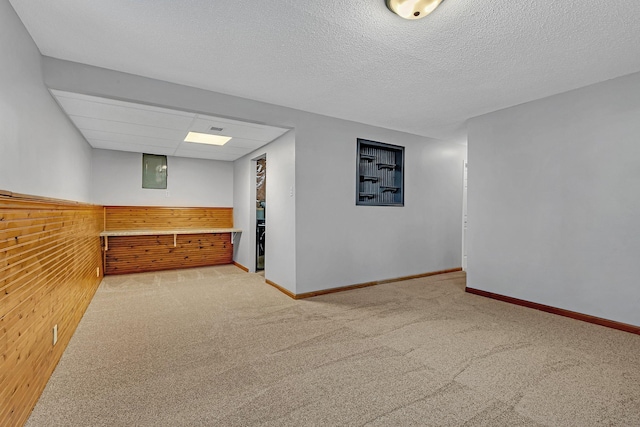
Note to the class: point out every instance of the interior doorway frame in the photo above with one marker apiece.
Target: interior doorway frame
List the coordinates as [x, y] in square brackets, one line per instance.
[253, 194]
[261, 219]
[465, 220]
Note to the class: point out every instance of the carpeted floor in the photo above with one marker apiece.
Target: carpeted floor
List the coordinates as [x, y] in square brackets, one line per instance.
[218, 347]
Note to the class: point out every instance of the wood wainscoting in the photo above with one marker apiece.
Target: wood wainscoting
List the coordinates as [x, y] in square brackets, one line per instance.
[165, 218]
[49, 271]
[136, 254]
[154, 252]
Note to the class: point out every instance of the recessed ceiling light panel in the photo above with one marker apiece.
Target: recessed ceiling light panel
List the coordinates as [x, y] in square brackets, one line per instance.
[413, 9]
[205, 138]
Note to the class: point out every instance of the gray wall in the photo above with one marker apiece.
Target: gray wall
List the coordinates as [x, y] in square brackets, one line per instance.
[280, 251]
[117, 180]
[554, 201]
[341, 244]
[41, 152]
[335, 241]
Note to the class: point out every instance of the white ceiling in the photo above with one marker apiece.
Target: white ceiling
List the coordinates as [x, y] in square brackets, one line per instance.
[116, 125]
[353, 59]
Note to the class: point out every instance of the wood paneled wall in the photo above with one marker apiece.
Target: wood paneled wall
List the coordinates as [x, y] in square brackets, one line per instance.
[137, 254]
[49, 253]
[162, 218]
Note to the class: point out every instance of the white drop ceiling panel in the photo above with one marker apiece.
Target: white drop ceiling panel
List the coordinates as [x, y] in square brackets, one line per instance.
[251, 144]
[227, 149]
[125, 126]
[150, 149]
[238, 144]
[205, 155]
[124, 114]
[89, 99]
[90, 123]
[93, 135]
[239, 130]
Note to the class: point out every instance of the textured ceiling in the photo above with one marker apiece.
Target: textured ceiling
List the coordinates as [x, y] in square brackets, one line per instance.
[125, 126]
[353, 59]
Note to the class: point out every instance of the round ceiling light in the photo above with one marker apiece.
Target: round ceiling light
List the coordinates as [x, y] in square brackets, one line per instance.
[413, 9]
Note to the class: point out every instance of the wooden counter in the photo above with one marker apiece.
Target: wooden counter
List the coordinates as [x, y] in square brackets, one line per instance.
[175, 233]
[149, 238]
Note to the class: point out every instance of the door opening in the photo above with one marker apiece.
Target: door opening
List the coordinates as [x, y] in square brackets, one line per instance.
[464, 218]
[261, 211]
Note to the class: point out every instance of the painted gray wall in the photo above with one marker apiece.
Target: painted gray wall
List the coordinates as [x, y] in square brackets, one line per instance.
[554, 201]
[280, 251]
[41, 152]
[341, 244]
[117, 180]
[336, 242]
[243, 203]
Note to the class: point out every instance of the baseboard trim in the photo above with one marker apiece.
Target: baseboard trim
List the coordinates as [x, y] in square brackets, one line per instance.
[287, 292]
[559, 311]
[240, 266]
[359, 285]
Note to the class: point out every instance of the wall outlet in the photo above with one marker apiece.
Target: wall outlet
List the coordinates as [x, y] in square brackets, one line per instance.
[167, 194]
[55, 334]
[97, 271]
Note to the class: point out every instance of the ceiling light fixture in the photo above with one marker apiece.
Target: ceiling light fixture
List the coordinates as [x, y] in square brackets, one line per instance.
[413, 9]
[206, 138]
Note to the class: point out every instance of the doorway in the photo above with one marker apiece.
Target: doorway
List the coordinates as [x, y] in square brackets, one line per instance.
[464, 217]
[261, 211]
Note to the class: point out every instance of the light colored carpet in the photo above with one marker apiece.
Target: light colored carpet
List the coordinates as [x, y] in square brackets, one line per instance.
[218, 347]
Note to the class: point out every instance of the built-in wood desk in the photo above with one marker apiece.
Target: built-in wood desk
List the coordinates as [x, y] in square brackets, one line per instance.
[133, 251]
[175, 233]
